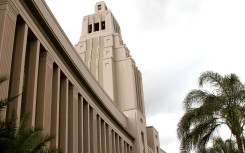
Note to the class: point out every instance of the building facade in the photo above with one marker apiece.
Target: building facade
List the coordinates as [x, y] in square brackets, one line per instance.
[89, 96]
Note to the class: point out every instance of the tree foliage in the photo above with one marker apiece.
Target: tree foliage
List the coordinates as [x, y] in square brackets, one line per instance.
[220, 146]
[17, 138]
[206, 110]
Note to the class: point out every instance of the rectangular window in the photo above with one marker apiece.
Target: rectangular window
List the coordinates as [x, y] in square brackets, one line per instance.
[96, 27]
[90, 28]
[102, 25]
[99, 7]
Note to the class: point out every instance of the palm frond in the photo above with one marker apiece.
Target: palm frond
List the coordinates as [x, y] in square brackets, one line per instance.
[6, 101]
[194, 97]
[2, 78]
[198, 137]
[207, 110]
[213, 78]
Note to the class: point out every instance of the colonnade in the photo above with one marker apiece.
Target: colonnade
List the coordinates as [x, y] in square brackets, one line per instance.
[48, 95]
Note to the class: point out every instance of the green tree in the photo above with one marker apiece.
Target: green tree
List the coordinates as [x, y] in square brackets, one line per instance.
[206, 110]
[17, 138]
[220, 146]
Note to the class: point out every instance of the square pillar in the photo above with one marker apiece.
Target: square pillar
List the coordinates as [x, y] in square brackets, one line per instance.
[80, 124]
[103, 137]
[30, 95]
[8, 17]
[125, 147]
[121, 145]
[93, 131]
[18, 65]
[63, 116]
[86, 127]
[114, 141]
[99, 134]
[73, 120]
[55, 106]
[117, 143]
[109, 139]
[44, 96]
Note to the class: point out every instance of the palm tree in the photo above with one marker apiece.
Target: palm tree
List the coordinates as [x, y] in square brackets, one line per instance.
[206, 111]
[20, 139]
[220, 146]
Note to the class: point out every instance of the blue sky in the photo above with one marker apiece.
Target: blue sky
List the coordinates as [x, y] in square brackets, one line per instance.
[172, 42]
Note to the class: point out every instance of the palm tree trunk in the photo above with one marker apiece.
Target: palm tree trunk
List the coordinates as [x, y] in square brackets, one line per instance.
[239, 143]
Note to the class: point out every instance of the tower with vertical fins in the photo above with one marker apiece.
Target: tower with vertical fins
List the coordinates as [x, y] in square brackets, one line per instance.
[106, 56]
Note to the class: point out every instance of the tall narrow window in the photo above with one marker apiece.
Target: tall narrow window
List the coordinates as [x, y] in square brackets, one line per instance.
[90, 28]
[96, 27]
[102, 25]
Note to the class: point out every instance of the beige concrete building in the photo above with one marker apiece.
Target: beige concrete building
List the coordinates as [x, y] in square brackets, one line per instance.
[89, 96]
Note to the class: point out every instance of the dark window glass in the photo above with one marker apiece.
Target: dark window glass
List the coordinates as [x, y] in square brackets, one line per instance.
[99, 7]
[102, 25]
[90, 28]
[96, 27]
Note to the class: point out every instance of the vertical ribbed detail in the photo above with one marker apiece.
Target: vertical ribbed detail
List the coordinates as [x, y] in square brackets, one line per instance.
[86, 128]
[80, 124]
[73, 120]
[7, 31]
[17, 69]
[44, 96]
[55, 107]
[93, 130]
[63, 117]
[29, 95]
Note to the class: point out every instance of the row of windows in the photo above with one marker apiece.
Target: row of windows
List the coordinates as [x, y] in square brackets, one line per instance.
[96, 27]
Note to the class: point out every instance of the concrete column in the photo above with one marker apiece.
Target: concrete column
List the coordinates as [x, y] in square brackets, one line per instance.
[63, 116]
[86, 128]
[30, 95]
[117, 143]
[44, 96]
[80, 124]
[73, 120]
[109, 139]
[103, 137]
[121, 145]
[55, 107]
[99, 134]
[113, 141]
[125, 147]
[8, 17]
[18, 65]
[93, 131]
